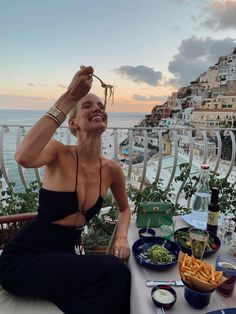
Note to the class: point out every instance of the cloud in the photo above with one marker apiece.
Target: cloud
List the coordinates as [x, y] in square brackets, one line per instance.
[195, 56]
[38, 84]
[220, 15]
[61, 85]
[140, 74]
[29, 102]
[150, 98]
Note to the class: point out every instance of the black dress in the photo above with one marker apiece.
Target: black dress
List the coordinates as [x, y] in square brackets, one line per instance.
[40, 261]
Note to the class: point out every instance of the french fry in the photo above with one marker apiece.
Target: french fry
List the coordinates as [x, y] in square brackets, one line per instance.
[183, 262]
[219, 275]
[204, 275]
[212, 273]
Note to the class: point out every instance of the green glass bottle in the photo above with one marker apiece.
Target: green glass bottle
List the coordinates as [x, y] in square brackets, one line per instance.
[213, 211]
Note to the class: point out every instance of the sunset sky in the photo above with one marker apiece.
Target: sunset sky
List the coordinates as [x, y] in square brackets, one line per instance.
[146, 49]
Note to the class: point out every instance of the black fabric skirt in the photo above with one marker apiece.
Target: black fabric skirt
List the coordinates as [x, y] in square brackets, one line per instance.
[40, 261]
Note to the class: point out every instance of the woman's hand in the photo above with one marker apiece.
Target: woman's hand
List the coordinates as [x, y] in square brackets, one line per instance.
[121, 248]
[80, 84]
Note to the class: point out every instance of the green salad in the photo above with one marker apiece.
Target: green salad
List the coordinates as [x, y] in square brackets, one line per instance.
[183, 238]
[159, 254]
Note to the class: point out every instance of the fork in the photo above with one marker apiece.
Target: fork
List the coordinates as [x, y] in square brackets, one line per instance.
[160, 310]
[107, 87]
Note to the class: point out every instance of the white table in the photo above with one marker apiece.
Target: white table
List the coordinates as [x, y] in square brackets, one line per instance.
[141, 302]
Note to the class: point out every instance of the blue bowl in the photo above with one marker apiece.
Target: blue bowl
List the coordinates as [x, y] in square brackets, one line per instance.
[151, 232]
[196, 299]
[166, 306]
[186, 249]
[141, 246]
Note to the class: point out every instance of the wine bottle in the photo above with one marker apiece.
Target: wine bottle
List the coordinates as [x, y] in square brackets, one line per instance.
[213, 211]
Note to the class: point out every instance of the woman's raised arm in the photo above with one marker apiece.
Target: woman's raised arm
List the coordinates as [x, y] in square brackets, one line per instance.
[36, 149]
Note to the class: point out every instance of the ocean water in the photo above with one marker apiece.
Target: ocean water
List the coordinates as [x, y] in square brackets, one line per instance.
[29, 117]
[26, 118]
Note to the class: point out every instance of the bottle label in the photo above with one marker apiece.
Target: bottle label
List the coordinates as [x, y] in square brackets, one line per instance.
[212, 218]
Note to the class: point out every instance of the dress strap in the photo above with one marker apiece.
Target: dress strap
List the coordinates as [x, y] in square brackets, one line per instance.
[77, 165]
[100, 176]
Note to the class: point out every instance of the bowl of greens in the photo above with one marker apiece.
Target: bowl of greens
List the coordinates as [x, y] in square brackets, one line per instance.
[156, 253]
[182, 238]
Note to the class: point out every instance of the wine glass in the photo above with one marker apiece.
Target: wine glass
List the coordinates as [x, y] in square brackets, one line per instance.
[198, 239]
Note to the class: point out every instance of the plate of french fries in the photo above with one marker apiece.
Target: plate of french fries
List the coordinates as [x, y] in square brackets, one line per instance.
[198, 274]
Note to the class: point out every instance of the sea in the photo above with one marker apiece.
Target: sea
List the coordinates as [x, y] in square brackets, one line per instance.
[29, 117]
[25, 118]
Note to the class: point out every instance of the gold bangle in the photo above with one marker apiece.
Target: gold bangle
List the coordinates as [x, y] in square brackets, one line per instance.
[61, 110]
[54, 118]
[57, 113]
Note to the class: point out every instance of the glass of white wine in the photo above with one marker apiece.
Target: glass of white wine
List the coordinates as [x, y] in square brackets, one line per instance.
[199, 239]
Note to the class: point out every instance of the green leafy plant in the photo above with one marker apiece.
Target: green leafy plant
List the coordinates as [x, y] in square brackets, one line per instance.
[13, 202]
[189, 187]
[154, 192]
[227, 196]
[9, 202]
[100, 229]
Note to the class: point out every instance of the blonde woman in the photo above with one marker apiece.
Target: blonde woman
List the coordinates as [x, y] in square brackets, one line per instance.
[40, 260]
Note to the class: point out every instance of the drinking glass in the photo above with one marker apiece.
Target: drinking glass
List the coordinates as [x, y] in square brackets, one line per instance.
[226, 264]
[166, 231]
[199, 239]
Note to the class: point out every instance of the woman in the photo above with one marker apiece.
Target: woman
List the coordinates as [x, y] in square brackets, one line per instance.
[40, 260]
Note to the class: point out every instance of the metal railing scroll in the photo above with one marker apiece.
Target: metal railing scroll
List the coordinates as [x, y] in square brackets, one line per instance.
[210, 150]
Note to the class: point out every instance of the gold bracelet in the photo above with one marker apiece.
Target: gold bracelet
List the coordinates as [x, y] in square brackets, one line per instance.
[57, 113]
[54, 118]
[60, 110]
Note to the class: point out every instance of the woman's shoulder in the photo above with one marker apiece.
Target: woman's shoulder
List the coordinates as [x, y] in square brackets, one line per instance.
[112, 165]
[61, 147]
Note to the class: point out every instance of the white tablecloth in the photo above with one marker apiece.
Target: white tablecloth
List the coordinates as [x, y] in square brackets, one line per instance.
[141, 302]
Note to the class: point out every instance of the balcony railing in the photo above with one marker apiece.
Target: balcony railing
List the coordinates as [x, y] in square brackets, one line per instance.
[175, 145]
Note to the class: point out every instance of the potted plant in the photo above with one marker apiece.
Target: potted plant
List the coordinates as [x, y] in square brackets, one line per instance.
[100, 230]
[227, 197]
[152, 193]
[16, 208]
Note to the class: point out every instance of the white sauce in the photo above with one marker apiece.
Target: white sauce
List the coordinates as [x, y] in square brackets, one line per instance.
[146, 234]
[163, 296]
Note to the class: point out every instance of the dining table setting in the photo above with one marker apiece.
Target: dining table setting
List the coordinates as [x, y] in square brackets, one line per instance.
[178, 273]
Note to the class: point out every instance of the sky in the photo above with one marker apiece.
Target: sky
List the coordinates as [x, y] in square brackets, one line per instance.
[145, 49]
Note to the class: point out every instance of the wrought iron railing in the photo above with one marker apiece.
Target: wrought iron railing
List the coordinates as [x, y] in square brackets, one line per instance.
[192, 145]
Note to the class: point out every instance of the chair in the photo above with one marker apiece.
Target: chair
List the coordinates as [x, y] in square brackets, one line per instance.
[10, 224]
